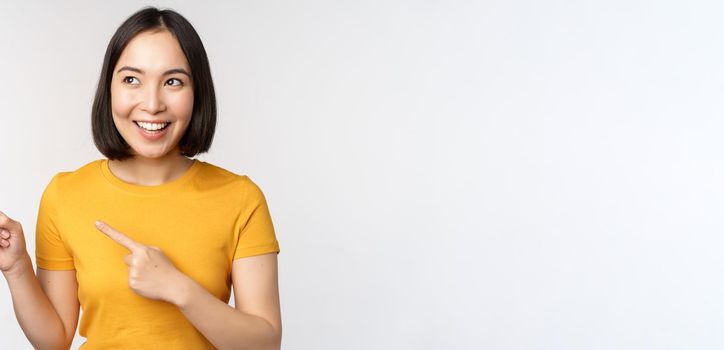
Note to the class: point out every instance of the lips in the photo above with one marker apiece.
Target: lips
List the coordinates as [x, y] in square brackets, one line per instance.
[151, 130]
[152, 121]
[153, 135]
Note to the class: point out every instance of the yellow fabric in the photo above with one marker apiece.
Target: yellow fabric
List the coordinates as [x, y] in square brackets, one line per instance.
[202, 221]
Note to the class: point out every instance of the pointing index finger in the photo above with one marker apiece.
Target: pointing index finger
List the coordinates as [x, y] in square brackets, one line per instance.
[118, 237]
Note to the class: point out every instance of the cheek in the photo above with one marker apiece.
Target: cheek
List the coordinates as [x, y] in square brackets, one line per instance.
[121, 104]
[182, 104]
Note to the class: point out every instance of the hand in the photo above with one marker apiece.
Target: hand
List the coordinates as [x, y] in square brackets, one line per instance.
[150, 273]
[12, 244]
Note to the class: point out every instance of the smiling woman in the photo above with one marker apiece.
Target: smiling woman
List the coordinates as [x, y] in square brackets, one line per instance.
[155, 71]
[145, 87]
[149, 241]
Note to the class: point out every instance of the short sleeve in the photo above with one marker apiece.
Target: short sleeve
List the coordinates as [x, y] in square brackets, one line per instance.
[50, 252]
[256, 233]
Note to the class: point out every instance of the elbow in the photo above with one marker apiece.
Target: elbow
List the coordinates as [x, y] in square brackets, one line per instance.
[61, 347]
[275, 338]
[275, 342]
[269, 340]
[64, 344]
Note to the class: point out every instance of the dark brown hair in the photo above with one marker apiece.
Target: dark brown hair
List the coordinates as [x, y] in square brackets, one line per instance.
[200, 132]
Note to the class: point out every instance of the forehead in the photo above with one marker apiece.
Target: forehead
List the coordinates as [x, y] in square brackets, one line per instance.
[153, 52]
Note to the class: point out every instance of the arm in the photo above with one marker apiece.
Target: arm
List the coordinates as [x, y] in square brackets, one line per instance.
[37, 317]
[42, 305]
[255, 323]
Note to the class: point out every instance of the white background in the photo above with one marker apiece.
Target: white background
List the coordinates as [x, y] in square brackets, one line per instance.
[441, 174]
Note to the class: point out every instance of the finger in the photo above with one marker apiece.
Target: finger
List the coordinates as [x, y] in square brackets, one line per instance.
[8, 223]
[118, 237]
[128, 259]
[4, 233]
[4, 243]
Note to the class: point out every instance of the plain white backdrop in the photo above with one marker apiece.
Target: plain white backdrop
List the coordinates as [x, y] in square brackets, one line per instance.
[441, 174]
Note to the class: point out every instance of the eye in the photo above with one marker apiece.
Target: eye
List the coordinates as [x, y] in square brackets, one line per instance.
[180, 83]
[126, 79]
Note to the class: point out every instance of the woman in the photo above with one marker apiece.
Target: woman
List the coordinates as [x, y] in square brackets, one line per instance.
[149, 241]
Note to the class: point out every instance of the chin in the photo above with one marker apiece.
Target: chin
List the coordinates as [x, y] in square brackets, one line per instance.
[150, 155]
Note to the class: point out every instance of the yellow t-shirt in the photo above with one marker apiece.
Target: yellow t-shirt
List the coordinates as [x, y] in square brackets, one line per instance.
[202, 221]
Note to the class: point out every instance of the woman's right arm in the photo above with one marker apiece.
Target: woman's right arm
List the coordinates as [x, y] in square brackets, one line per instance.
[34, 309]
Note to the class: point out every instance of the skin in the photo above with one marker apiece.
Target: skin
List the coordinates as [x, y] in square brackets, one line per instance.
[142, 90]
[255, 321]
[151, 95]
[13, 242]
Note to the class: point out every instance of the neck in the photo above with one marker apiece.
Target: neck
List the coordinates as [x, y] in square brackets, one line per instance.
[144, 171]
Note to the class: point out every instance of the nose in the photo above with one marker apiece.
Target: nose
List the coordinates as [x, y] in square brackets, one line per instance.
[153, 101]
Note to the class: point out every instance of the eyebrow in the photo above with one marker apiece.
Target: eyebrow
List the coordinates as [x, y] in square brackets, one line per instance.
[170, 71]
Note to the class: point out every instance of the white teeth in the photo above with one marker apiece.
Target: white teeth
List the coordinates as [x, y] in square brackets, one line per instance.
[151, 126]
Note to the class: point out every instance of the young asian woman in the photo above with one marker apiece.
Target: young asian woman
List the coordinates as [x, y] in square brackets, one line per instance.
[149, 241]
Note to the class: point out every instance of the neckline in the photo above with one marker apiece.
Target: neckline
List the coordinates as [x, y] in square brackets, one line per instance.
[163, 188]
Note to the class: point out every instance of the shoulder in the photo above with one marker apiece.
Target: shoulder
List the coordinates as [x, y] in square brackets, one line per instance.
[216, 176]
[72, 179]
[81, 175]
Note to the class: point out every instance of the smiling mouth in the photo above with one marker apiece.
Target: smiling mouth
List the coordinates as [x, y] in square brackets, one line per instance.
[152, 127]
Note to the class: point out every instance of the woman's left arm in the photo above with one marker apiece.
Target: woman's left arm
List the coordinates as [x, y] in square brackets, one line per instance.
[255, 323]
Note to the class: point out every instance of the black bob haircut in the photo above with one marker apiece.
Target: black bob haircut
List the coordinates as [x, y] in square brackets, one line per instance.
[200, 132]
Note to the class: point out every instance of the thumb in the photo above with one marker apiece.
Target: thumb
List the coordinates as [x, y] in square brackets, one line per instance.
[7, 223]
